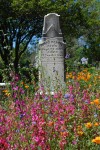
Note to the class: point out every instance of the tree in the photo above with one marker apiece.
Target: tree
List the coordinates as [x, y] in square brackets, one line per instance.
[20, 20]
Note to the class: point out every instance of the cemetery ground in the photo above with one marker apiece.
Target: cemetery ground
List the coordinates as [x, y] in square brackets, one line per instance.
[66, 120]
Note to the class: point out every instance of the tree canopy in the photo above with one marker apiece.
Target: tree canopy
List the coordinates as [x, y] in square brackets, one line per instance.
[20, 20]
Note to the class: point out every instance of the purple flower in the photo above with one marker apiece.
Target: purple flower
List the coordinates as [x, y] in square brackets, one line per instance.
[87, 101]
[55, 100]
[14, 95]
[34, 122]
[15, 88]
[17, 130]
[74, 142]
[67, 95]
[46, 98]
[62, 118]
[22, 91]
[71, 98]
[21, 116]
[16, 77]
[67, 56]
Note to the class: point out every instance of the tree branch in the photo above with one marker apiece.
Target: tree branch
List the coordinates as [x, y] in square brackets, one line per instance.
[25, 46]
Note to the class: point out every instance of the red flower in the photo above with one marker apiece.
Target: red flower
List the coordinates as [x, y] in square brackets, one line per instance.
[3, 144]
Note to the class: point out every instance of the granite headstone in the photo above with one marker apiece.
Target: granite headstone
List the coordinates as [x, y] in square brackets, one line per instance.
[52, 51]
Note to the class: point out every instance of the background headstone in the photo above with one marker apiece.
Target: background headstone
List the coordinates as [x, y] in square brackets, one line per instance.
[52, 52]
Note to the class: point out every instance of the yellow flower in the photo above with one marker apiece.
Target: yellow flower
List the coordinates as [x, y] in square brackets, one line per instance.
[79, 130]
[80, 133]
[90, 85]
[88, 125]
[91, 102]
[79, 127]
[70, 75]
[7, 94]
[26, 86]
[96, 140]
[88, 76]
[85, 70]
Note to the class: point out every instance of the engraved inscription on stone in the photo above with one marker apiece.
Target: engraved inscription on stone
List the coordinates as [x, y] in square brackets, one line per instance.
[52, 50]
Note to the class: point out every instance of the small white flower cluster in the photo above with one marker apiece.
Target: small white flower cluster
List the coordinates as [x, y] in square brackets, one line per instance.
[84, 61]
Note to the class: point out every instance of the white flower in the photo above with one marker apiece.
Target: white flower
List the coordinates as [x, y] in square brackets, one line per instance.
[84, 60]
[52, 93]
[41, 92]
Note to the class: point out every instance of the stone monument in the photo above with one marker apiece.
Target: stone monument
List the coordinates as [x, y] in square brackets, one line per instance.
[52, 51]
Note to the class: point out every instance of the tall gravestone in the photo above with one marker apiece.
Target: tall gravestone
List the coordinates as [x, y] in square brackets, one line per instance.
[52, 51]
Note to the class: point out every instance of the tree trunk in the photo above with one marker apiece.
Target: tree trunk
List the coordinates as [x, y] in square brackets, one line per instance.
[16, 65]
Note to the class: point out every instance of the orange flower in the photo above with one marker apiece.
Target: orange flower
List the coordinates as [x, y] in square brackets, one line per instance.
[26, 86]
[96, 102]
[88, 125]
[50, 123]
[84, 75]
[6, 92]
[98, 77]
[22, 82]
[96, 140]
[64, 134]
[70, 75]
[98, 106]
[96, 124]
[79, 127]
[88, 76]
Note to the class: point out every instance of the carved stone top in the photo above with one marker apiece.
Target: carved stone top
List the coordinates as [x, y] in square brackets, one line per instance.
[51, 27]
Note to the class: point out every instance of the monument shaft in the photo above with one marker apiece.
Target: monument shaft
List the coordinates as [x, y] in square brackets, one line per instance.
[52, 52]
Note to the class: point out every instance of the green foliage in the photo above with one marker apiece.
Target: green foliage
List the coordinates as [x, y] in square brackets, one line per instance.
[93, 49]
[28, 74]
[21, 20]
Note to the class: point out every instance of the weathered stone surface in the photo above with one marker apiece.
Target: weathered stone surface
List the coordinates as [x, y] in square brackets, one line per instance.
[51, 26]
[52, 51]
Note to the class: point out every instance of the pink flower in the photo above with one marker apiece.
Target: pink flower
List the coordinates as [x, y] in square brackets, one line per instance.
[55, 95]
[62, 143]
[3, 144]
[74, 142]
[15, 88]
[36, 139]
